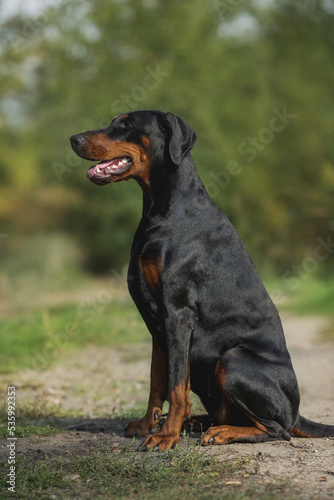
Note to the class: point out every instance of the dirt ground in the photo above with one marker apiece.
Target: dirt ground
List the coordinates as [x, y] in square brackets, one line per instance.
[100, 382]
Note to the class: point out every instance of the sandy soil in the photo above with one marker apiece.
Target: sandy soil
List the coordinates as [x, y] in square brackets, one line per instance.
[100, 383]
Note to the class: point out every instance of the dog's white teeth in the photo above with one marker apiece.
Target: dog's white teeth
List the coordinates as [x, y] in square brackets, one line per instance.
[120, 163]
[98, 170]
[124, 160]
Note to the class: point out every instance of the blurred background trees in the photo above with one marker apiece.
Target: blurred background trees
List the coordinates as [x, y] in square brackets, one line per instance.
[255, 79]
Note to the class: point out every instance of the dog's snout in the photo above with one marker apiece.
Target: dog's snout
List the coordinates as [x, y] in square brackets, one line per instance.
[77, 140]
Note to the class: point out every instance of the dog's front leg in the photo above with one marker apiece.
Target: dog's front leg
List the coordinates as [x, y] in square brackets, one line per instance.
[179, 327]
[158, 394]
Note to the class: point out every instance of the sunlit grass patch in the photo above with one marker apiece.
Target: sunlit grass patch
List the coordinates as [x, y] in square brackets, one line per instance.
[37, 339]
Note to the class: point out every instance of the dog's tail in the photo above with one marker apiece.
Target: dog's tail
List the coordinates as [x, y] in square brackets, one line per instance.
[308, 429]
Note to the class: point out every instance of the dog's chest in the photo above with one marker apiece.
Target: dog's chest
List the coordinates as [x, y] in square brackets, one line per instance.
[144, 275]
[144, 282]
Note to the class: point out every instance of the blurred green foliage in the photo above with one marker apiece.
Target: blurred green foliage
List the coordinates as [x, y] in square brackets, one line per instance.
[254, 79]
[38, 338]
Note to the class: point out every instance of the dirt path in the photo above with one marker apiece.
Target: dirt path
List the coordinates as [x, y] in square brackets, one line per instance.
[97, 381]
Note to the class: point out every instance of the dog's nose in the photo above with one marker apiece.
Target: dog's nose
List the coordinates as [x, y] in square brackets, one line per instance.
[77, 140]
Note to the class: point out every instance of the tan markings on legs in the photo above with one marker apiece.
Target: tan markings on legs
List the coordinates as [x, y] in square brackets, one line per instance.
[224, 434]
[257, 424]
[300, 433]
[158, 394]
[179, 409]
[188, 400]
[228, 433]
[229, 411]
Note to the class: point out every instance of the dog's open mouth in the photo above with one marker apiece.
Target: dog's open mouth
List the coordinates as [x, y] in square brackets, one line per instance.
[106, 169]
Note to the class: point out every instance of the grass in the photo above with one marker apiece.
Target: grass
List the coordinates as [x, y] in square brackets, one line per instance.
[53, 306]
[28, 430]
[38, 338]
[35, 339]
[41, 328]
[188, 472]
[311, 296]
[315, 297]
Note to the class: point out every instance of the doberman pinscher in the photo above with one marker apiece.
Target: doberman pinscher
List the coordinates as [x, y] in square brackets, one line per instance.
[214, 328]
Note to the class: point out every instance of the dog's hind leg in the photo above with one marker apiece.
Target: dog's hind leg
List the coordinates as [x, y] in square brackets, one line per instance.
[266, 393]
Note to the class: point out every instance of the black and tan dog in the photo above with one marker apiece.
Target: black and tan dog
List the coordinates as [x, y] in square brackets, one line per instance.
[215, 330]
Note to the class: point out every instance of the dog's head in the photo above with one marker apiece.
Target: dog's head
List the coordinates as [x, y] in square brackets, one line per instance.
[132, 144]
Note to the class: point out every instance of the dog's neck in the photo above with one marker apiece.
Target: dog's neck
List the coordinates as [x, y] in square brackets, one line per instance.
[173, 188]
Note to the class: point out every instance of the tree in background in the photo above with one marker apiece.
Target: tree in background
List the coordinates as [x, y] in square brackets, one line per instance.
[254, 79]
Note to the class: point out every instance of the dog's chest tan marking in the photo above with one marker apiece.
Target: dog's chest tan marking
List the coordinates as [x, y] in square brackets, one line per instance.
[151, 269]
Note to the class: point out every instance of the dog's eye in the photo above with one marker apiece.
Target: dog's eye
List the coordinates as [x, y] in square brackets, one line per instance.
[126, 124]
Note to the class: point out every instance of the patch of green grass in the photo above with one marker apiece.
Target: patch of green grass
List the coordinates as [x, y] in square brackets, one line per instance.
[34, 479]
[39, 264]
[37, 339]
[28, 430]
[177, 472]
[314, 297]
[189, 472]
[124, 474]
[39, 410]
[303, 296]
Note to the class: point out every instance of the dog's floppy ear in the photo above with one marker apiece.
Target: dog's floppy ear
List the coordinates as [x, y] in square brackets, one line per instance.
[182, 138]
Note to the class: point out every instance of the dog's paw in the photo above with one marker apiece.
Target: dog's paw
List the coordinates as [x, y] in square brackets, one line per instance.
[232, 434]
[216, 435]
[160, 441]
[140, 427]
[143, 426]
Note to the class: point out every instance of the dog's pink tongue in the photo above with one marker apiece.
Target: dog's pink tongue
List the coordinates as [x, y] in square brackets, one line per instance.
[91, 172]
